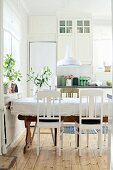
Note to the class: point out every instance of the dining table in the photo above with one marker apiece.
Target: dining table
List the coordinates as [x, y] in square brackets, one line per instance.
[26, 110]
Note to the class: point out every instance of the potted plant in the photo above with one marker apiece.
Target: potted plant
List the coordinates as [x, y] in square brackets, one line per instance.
[10, 73]
[5, 84]
[40, 79]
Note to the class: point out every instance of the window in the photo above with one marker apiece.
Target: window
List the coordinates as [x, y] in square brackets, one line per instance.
[102, 47]
[103, 52]
[11, 46]
[16, 51]
[7, 43]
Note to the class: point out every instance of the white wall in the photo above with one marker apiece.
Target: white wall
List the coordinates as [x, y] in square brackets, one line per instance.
[15, 23]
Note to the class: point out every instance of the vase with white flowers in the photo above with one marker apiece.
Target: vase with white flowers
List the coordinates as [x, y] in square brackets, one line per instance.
[68, 79]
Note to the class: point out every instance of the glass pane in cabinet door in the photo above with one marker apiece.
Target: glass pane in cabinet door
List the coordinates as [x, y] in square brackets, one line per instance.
[69, 30]
[80, 23]
[86, 23]
[62, 29]
[79, 29]
[69, 23]
[62, 23]
[86, 30]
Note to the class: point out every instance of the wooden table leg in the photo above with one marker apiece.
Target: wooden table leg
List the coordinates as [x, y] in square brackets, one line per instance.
[28, 139]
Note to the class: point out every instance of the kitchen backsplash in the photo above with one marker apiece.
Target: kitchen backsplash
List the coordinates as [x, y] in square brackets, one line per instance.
[84, 70]
[77, 71]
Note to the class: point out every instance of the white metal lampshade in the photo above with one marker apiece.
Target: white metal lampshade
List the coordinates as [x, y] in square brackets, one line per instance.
[68, 60]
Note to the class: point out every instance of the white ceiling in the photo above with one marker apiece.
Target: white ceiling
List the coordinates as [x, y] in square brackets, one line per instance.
[97, 8]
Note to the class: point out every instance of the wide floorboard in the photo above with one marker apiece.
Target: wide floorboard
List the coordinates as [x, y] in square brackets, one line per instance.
[69, 160]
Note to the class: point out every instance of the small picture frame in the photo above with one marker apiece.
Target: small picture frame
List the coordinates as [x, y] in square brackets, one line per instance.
[14, 88]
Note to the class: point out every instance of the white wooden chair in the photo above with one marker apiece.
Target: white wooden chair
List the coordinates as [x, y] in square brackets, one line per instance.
[105, 125]
[69, 92]
[48, 114]
[91, 114]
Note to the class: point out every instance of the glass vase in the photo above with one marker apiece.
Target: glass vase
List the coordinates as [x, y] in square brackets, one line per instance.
[68, 82]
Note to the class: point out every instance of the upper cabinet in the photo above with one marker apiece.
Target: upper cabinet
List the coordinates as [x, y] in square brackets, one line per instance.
[77, 34]
[83, 41]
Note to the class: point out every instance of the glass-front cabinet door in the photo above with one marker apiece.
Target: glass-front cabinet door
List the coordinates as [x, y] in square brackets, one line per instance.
[69, 26]
[83, 26]
[65, 26]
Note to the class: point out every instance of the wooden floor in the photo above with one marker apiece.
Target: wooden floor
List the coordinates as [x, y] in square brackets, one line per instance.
[49, 159]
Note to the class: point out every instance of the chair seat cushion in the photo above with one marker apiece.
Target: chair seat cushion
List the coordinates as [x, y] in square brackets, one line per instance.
[49, 120]
[90, 121]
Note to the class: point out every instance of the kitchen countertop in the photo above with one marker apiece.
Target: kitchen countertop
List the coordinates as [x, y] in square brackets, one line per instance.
[84, 86]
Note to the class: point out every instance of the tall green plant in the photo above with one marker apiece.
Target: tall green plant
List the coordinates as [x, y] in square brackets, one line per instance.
[9, 69]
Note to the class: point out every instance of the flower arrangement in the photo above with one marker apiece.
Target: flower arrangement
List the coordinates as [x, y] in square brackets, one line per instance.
[70, 76]
[40, 79]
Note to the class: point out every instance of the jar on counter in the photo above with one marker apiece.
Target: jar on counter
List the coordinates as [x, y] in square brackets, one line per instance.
[68, 82]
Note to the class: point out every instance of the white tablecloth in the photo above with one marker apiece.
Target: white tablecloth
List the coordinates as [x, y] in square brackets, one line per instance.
[69, 106]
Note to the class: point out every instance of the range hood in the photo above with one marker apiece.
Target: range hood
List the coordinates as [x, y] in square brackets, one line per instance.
[68, 60]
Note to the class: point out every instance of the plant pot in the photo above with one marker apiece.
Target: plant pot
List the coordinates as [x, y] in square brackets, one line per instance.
[62, 81]
[5, 89]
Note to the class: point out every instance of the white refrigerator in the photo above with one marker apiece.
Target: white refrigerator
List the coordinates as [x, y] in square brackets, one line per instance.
[42, 53]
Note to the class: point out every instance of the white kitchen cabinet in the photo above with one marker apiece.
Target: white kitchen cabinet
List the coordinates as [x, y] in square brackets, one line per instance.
[63, 43]
[84, 48]
[75, 33]
[65, 37]
[42, 53]
[42, 28]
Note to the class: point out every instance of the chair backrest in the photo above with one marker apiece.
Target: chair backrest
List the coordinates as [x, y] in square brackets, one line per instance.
[48, 104]
[70, 92]
[91, 104]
